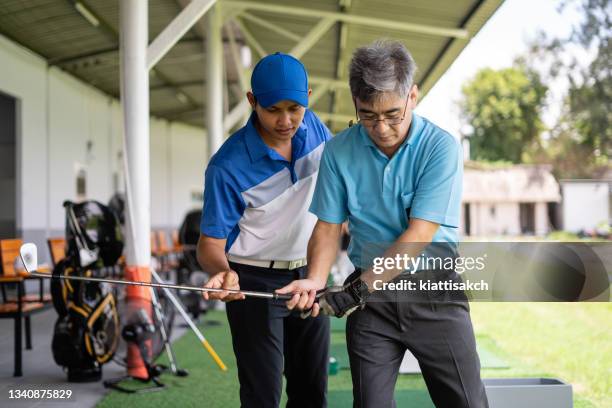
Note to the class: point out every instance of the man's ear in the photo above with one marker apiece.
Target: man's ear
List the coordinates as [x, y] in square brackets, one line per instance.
[414, 96]
[309, 92]
[251, 99]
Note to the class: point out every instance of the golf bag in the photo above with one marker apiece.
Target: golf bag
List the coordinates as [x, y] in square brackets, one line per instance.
[117, 206]
[189, 270]
[86, 333]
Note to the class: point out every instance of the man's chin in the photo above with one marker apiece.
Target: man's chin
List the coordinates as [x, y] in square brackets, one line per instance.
[386, 141]
[284, 136]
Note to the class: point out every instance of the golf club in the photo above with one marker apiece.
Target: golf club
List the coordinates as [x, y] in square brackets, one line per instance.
[29, 256]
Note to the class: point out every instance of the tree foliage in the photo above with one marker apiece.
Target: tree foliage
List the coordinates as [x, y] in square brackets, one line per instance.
[502, 108]
[581, 142]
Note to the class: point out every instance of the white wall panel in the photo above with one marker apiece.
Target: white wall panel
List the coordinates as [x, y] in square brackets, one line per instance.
[57, 115]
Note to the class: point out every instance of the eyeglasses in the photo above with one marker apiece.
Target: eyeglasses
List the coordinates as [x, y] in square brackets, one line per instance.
[371, 119]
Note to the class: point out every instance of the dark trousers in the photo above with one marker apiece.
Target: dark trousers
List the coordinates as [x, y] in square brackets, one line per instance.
[435, 326]
[270, 340]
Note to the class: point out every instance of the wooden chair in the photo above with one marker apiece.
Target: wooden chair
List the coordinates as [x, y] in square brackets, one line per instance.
[23, 306]
[9, 252]
[176, 245]
[154, 246]
[57, 249]
[163, 243]
[161, 249]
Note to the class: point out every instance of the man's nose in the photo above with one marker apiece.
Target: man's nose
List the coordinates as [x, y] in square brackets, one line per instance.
[380, 126]
[284, 119]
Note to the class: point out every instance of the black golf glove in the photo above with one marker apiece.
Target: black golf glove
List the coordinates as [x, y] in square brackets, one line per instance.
[343, 300]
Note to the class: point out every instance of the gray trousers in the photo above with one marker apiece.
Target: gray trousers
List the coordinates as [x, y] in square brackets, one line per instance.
[435, 326]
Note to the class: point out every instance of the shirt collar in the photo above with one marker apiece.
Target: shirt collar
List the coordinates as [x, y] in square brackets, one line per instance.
[257, 148]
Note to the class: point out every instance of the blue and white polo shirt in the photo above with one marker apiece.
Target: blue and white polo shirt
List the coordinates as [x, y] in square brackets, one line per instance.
[259, 201]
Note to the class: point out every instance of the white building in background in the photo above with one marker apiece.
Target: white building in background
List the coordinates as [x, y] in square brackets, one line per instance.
[586, 204]
[509, 200]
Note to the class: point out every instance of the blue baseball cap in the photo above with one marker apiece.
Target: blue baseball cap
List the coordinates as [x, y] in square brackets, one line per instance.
[280, 77]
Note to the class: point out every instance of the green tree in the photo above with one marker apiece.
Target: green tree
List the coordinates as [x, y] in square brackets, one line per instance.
[564, 151]
[502, 109]
[590, 92]
[580, 144]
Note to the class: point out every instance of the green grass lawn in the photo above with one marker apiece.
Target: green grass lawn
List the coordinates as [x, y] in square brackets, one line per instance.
[566, 341]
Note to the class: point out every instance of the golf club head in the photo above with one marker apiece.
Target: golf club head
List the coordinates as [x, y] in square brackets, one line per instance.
[29, 256]
[87, 256]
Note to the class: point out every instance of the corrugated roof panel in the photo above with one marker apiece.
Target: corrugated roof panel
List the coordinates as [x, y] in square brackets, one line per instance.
[55, 30]
[50, 28]
[444, 13]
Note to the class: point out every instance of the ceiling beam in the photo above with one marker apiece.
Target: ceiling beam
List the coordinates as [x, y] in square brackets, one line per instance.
[313, 36]
[112, 34]
[250, 39]
[336, 117]
[331, 82]
[317, 93]
[176, 29]
[272, 27]
[78, 57]
[341, 52]
[110, 50]
[350, 18]
[197, 82]
[325, 116]
[235, 53]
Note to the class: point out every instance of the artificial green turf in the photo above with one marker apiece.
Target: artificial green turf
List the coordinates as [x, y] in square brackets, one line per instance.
[566, 341]
[337, 325]
[403, 398]
[206, 385]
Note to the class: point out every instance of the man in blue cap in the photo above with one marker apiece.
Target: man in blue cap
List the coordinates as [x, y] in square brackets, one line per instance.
[254, 232]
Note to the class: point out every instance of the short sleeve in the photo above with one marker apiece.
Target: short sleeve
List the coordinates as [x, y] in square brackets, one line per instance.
[329, 198]
[437, 195]
[223, 204]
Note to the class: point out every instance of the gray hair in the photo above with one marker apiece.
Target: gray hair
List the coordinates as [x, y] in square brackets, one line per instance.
[381, 67]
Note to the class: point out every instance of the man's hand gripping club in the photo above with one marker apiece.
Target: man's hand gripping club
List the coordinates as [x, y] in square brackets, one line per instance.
[312, 297]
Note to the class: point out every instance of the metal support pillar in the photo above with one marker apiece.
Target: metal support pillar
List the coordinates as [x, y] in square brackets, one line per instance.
[135, 103]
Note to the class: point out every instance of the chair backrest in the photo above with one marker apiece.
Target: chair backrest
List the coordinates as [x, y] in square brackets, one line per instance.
[57, 249]
[175, 239]
[162, 241]
[9, 251]
[154, 244]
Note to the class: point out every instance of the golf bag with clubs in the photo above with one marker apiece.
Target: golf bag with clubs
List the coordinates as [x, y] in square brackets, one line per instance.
[87, 331]
[189, 270]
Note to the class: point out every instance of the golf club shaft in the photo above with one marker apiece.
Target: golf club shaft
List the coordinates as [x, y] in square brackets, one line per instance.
[250, 293]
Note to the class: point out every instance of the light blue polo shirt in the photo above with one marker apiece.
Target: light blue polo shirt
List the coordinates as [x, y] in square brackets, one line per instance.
[377, 195]
[256, 199]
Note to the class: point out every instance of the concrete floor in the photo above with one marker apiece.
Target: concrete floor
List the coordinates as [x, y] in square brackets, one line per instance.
[41, 372]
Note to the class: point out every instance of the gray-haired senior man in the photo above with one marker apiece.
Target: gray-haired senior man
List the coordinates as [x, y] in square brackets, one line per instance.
[397, 178]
